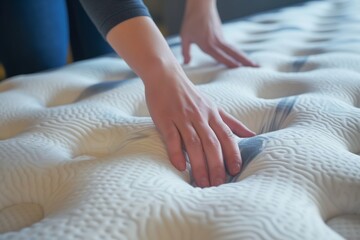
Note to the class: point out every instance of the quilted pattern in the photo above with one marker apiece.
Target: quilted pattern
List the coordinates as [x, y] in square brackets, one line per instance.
[80, 157]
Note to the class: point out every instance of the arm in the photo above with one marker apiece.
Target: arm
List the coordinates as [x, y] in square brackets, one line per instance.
[181, 114]
[202, 26]
[179, 111]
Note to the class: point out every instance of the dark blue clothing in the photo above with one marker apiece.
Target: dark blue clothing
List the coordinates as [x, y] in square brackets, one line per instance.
[35, 35]
[108, 13]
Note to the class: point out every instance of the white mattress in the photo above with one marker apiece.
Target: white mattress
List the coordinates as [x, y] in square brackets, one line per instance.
[80, 157]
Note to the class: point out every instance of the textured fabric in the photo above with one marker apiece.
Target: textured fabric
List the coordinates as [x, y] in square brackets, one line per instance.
[108, 13]
[80, 157]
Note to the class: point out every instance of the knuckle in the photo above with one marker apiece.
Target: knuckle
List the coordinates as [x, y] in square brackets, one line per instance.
[212, 142]
[196, 116]
[170, 136]
[190, 114]
[207, 47]
[193, 139]
[202, 124]
[226, 133]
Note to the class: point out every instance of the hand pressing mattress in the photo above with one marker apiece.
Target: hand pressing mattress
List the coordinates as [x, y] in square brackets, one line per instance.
[80, 157]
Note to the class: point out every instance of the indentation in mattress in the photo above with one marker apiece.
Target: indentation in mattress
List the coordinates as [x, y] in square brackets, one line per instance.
[267, 21]
[254, 40]
[98, 88]
[275, 30]
[318, 40]
[102, 87]
[338, 17]
[251, 147]
[300, 64]
[18, 216]
[278, 117]
[308, 51]
[324, 30]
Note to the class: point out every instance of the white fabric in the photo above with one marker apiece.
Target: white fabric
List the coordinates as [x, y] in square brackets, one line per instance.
[80, 157]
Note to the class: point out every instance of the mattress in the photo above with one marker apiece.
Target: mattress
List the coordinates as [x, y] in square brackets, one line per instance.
[80, 157]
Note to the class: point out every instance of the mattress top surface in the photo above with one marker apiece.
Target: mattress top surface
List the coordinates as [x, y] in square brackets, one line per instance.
[80, 157]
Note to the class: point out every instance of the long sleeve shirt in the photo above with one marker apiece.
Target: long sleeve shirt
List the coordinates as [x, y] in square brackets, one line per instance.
[107, 13]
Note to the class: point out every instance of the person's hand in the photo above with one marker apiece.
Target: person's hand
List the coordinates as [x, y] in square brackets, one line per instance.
[202, 26]
[186, 119]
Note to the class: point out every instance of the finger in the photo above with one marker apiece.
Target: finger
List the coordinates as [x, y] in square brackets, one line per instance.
[229, 146]
[213, 153]
[185, 46]
[237, 55]
[221, 56]
[195, 151]
[174, 148]
[235, 125]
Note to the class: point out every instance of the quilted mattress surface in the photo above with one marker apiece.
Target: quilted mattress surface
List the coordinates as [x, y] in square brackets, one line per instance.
[80, 157]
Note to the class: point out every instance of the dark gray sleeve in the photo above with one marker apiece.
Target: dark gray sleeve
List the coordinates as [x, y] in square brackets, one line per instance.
[107, 13]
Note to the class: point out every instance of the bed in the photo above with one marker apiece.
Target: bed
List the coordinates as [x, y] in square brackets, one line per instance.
[80, 157]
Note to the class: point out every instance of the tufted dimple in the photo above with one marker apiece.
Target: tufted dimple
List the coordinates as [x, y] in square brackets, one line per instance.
[298, 64]
[309, 51]
[99, 88]
[318, 39]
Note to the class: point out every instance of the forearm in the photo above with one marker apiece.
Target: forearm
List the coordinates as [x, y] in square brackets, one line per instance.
[139, 42]
[106, 14]
[185, 119]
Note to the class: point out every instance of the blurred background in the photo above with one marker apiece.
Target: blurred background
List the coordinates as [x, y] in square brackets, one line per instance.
[167, 14]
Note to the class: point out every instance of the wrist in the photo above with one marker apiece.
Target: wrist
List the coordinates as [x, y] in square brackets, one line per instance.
[200, 5]
[163, 70]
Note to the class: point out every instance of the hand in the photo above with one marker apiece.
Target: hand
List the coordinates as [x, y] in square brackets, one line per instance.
[181, 114]
[202, 26]
[185, 118]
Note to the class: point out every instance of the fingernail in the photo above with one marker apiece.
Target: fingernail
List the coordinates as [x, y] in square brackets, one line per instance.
[181, 166]
[236, 168]
[255, 64]
[218, 181]
[204, 182]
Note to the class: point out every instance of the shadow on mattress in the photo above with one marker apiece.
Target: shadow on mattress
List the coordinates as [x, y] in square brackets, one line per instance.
[252, 147]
